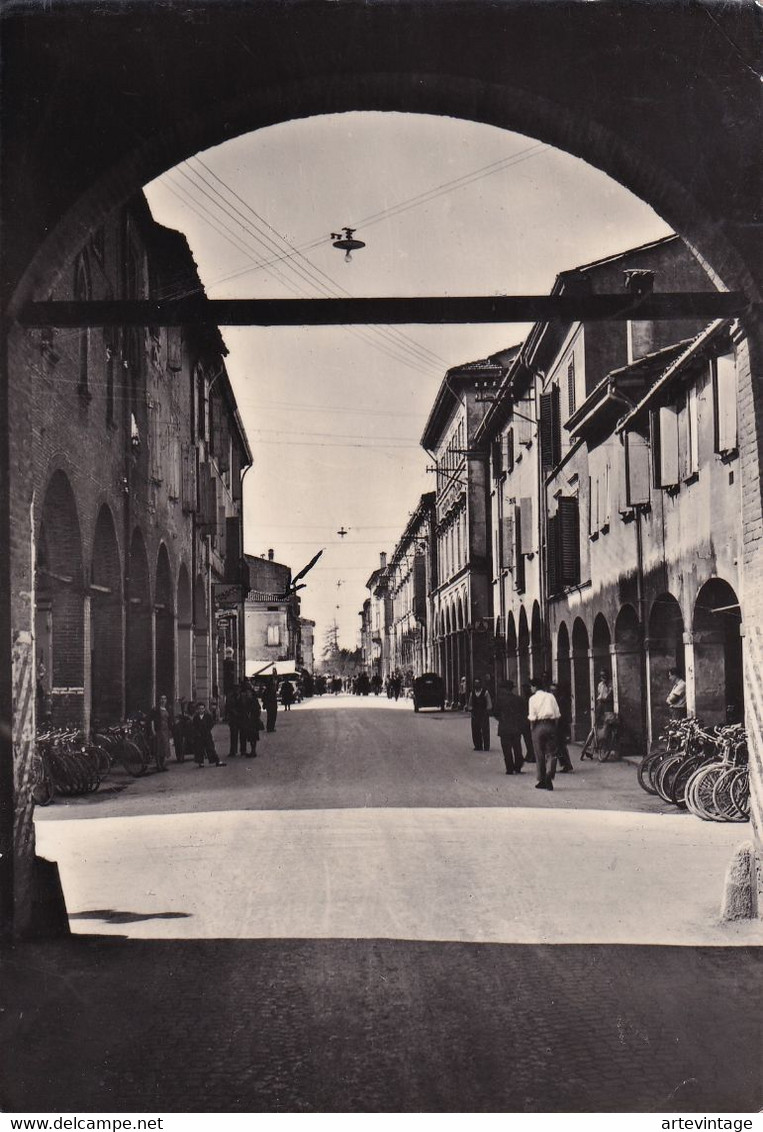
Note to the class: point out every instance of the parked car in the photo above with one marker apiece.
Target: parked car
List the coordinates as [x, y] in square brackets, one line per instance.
[429, 691]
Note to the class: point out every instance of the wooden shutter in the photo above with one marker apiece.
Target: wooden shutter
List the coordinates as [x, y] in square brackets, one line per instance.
[507, 540]
[636, 469]
[550, 429]
[569, 541]
[571, 399]
[509, 453]
[497, 458]
[552, 555]
[519, 559]
[666, 456]
[725, 389]
[526, 509]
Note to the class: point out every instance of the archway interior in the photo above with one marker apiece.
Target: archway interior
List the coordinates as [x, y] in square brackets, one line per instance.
[717, 640]
[106, 622]
[630, 680]
[140, 652]
[666, 651]
[581, 670]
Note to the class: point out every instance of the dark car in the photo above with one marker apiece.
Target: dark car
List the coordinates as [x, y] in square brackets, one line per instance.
[429, 691]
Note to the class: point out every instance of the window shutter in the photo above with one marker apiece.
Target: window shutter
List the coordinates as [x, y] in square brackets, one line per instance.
[569, 541]
[497, 458]
[725, 388]
[507, 540]
[550, 429]
[519, 560]
[509, 453]
[154, 440]
[669, 469]
[636, 469]
[571, 385]
[606, 497]
[188, 473]
[552, 555]
[528, 530]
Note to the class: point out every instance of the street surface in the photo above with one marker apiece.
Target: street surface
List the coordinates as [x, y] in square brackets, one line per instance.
[371, 916]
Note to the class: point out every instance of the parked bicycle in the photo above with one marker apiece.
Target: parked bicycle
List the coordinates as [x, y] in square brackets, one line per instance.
[603, 740]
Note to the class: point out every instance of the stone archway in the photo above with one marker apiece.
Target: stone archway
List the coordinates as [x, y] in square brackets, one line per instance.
[184, 636]
[564, 670]
[512, 672]
[524, 658]
[581, 680]
[61, 616]
[140, 643]
[665, 651]
[164, 632]
[717, 641]
[107, 623]
[202, 689]
[629, 681]
[537, 651]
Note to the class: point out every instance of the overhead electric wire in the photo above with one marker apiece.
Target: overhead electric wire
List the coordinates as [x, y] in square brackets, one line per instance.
[391, 349]
[410, 343]
[405, 205]
[309, 273]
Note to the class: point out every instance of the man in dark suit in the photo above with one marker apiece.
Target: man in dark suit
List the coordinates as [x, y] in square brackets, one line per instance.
[511, 713]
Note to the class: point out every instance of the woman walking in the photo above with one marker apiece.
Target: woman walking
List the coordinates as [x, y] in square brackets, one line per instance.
[161, 729]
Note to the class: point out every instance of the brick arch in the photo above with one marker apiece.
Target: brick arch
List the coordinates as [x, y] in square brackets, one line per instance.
[140, 676]
[371, 57]
[59, 591]
[106, 621]
[164, 632]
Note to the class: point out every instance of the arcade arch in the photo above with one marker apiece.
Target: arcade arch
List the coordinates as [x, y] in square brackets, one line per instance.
[717, 642]
[106, 622]
[140, 652]
[666, 651]
[581, 679]
[629, 680]
[59, 611]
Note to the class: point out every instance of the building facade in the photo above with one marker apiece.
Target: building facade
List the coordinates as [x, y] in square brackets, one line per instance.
[128, 542]
[272, 620]
[412, 579]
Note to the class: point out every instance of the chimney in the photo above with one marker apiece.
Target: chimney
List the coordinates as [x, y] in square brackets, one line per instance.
[383, 559]
[271, 554]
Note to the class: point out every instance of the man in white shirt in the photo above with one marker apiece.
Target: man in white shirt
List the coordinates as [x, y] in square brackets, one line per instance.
[543, 713]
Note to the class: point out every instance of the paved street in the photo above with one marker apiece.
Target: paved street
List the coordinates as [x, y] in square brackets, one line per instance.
[371, 916]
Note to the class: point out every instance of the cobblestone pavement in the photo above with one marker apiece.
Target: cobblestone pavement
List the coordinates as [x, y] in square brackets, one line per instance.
[377, 1026]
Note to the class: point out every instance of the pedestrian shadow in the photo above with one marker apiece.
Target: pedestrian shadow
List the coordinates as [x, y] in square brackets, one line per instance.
[110, 916]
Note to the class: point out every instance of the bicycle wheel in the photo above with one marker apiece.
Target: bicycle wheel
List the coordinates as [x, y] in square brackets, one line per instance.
[42, 787]
[665, 776]
[644, 771]
[682, 778]
[723, 802]
[700, 799]
[740, 793]
[131, 758]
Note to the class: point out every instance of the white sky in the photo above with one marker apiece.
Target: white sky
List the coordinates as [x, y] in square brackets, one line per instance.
[334, 414]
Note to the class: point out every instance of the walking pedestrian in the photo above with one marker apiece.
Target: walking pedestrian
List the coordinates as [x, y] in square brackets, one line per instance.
[233, 707]
[287, 695]
[511, 713]
[543, 714]
[270, 703]
[251, 723]
[463, 693]
[527, 736]
[480, 707]
[204, 743]
[160, 724]
[563, 730]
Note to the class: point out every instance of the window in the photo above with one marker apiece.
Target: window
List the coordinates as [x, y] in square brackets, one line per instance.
[496, 456]
[571, 386]
[550, 430]
[508, 456]
[274, 634]
[724, 376]
[568, 541]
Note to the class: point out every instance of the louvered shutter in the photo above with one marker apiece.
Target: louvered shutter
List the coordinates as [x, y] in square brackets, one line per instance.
[188, 477]
[519, 559]
[550, 429]
[552, 555]
[526, 518]
[507, 540]
[569, 541]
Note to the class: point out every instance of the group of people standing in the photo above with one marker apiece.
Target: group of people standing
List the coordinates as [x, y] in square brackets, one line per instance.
[190, 732]
[534, 720]
[244, 711]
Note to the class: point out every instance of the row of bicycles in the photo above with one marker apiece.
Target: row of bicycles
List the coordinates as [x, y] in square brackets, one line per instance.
[68, 763]
[700, 769]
